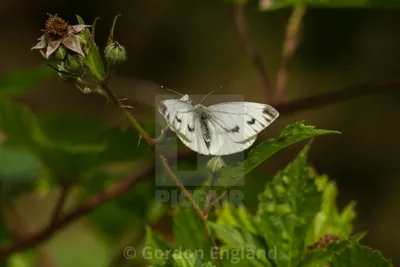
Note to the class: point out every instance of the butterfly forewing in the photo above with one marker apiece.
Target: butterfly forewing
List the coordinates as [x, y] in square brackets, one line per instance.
[183, 119]
[243, 120]
[178, 113]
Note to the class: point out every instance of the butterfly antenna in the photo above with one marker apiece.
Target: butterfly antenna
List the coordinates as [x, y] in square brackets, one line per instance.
[175, 92]
[209, 94]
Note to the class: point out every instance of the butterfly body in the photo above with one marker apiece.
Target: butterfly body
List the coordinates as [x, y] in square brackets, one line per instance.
[220, 129]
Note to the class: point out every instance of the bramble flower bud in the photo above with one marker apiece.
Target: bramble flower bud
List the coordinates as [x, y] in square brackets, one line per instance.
[60, 54]
[64, 75]
[115, 53]
[74, 64]
[215, 164]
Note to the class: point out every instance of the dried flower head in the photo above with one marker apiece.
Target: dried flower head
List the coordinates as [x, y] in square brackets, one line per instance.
[58, 32]
[56, 28]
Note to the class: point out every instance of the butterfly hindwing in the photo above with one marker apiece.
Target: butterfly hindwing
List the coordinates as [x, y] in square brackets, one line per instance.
[222, 144]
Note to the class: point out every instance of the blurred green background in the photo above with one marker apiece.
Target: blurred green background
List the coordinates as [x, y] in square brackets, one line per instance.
[191, 46]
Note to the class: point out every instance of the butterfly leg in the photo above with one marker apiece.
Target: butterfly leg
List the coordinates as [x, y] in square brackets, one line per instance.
[162, 135]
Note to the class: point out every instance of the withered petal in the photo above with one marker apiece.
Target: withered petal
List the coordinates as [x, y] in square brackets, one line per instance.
[72, 43]
[78, 28]
[42, 43]
[51, 47]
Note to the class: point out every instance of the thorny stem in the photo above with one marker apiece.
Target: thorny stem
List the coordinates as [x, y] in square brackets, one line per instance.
[190, 199]
[208, 208]
[151, 143]
[292, 36]
[110, 94]
[210, 194]
[182, 188]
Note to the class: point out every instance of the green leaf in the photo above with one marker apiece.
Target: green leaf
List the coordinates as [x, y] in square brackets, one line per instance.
[17, 165]
[287, 208]
[190, 233]
[357, 237]
[316, 258]
[110, 39]
[75, 140]
[236, 216]
[292, 134]
[187, 259]
[21, 126]
[74, 134]
[156, 244]
[19, 82]
[93, 60]
[235, 237]
[329, 220]
[356, 255]
[267, 5]
[240, 239]
[115, 218]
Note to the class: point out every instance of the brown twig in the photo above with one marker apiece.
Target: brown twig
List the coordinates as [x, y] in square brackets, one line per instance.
[58, 208]
[292, 36]
[208, 208]
[241, 31]
[336, 96]
[92, 203]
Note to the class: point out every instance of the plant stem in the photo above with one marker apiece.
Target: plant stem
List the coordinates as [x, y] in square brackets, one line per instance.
[182, 188]
[110, 94]
[151, 143]
[209, 207]
[255, 58]
[292, 36]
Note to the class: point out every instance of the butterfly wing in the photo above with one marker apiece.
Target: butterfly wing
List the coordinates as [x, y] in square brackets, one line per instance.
[222, 144]
[183, 119]
[235, 125]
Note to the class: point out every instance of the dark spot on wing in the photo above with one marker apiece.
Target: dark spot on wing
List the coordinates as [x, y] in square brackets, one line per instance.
[252, 121]
[269, 115]
[235, 130]
[163, 108]
[262, 125]
[177, 119]
[268, 119]
[167, 116]
[190, 129]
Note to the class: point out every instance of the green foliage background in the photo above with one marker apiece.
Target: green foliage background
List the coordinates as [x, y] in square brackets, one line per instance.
[48, 124]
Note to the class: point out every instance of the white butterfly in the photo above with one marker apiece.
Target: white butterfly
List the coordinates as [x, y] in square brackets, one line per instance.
[220, 129]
